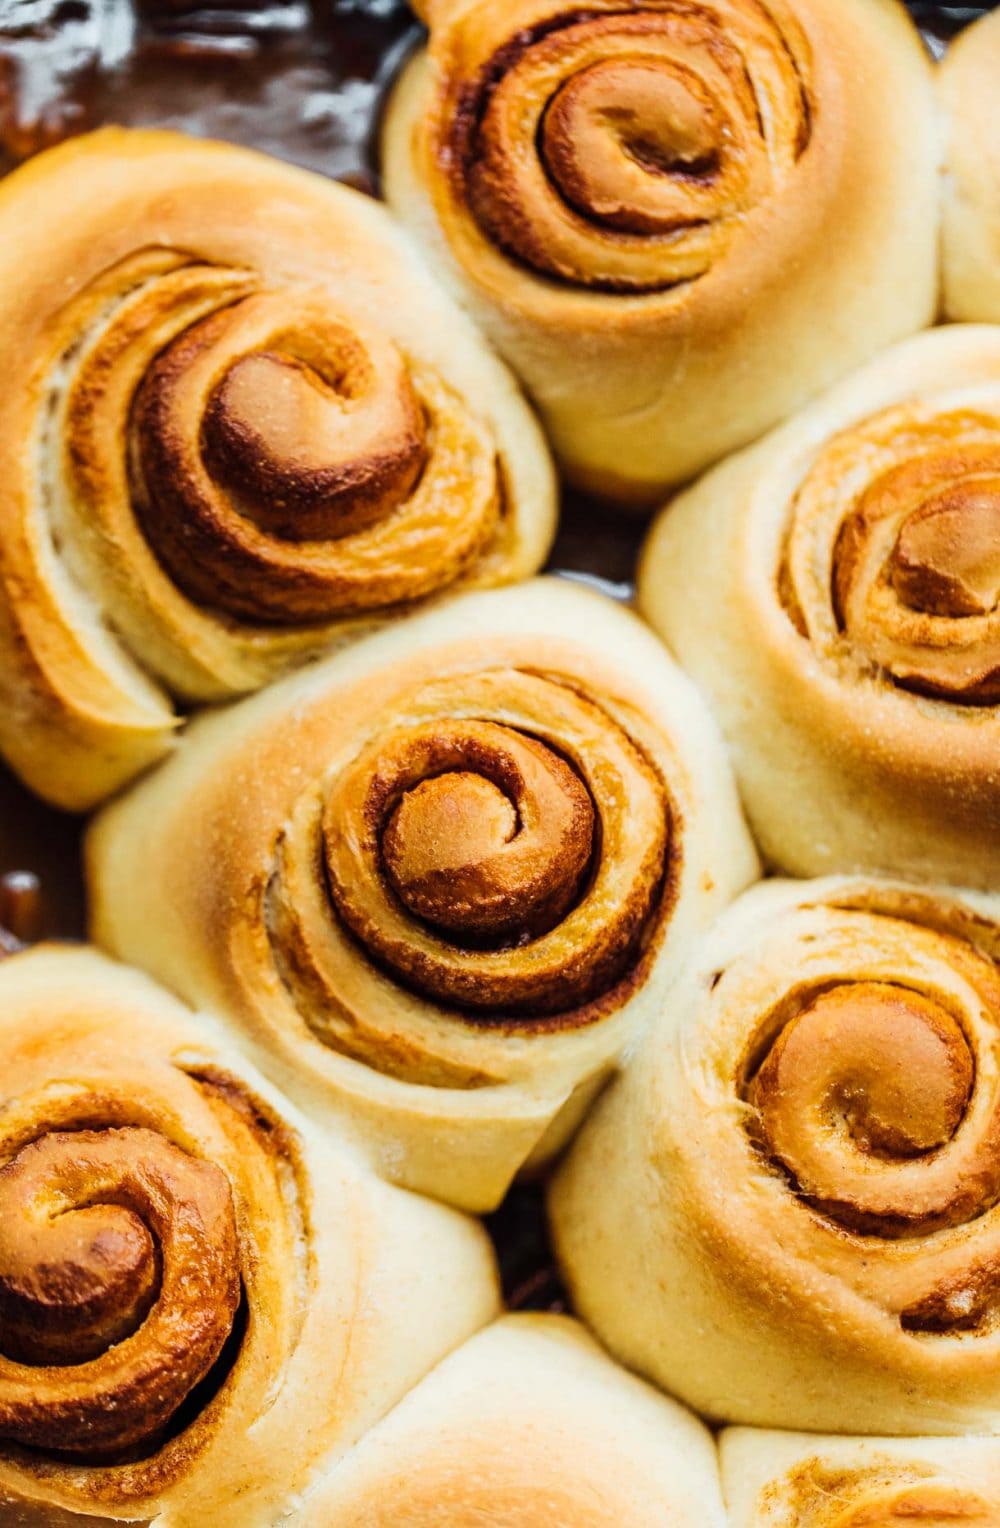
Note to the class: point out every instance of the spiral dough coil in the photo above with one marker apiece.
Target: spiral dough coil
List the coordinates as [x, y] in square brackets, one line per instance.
[242, 440]
[171, 1280]
[617, 149]
[440, 881]
[808, 1159]
[644, 203]
[846, 627]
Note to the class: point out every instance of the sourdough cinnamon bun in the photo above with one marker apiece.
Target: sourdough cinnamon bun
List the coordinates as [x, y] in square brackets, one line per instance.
[203, 1300]
[788, 1212]
[835, 591]
[653, 209]
[440, 881]
[247, 428]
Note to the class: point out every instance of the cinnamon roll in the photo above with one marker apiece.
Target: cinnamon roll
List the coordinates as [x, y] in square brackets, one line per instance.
[247, 427]
[968, 87]
[835, 591]
[787, 1480]
[202, 1300]
[439, 881]
[527, 1424]
[788, 1212]
[654, 206]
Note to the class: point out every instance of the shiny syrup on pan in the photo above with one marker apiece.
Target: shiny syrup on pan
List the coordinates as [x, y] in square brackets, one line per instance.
[304, 80]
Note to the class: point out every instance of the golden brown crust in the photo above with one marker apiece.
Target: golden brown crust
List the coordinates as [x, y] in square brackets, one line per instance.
[243, 439]
[644, 203]
[789, 1214]
[847, 624]
[188, 1327]
[440, 881]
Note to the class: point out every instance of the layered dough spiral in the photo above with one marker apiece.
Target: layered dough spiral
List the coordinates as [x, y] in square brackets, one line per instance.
[248, 428]
[967, 85]
[788, 1213]
[788, 1480]
[203, 1301]
[527, 1425]
[439, 881]
[846, 622]
[617, 149]
[645, 203]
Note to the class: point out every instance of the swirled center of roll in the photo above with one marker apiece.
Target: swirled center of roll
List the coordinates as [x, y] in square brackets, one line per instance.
[485, 868]
[621, 139]
[492, 855]
[311, 434]
[946, 560]
[619, 148]
[73, 1286]
[860, 1090]
[888, 1066]
[312, 451]
[285, 463]
[119, 1285]
[872, 1096]
[905, 511]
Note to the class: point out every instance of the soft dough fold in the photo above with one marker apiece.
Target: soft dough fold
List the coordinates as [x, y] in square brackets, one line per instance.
[528, 1425]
